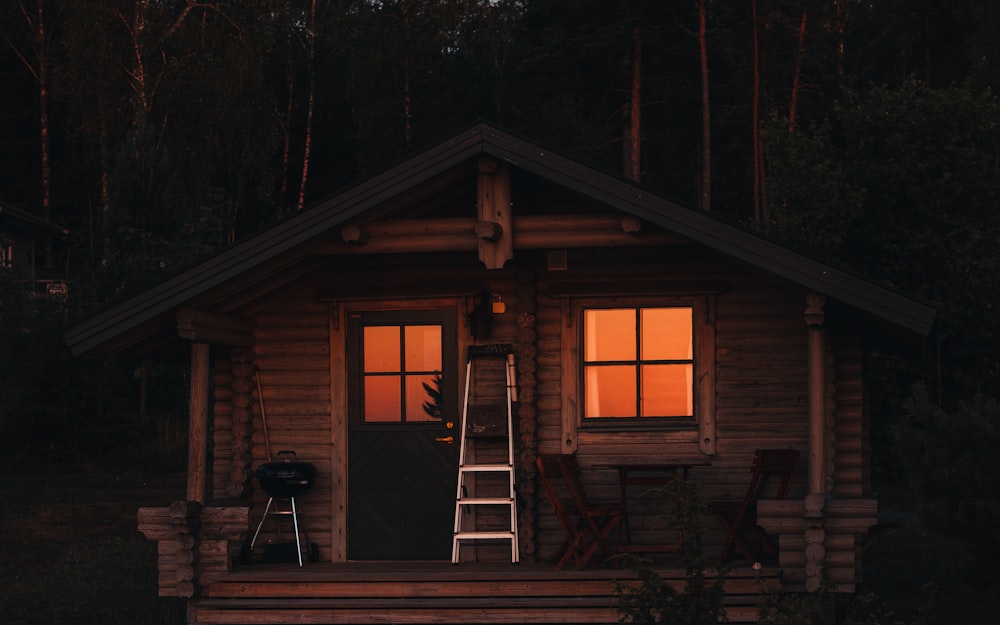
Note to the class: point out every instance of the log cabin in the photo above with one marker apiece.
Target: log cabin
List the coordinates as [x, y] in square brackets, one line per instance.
[21, 233]
[643, 334]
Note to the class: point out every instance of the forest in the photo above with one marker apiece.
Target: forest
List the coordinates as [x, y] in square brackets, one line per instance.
[863, 132]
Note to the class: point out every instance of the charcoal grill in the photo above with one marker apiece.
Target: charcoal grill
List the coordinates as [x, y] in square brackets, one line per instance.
[285, 480]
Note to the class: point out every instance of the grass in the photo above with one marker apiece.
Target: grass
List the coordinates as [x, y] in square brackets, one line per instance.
[71, 552]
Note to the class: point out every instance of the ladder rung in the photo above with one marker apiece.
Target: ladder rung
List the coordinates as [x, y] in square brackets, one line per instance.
[484, 535]
[471, 468]
[486, 501]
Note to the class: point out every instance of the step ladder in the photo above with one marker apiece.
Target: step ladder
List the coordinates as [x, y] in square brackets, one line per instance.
[486, 421]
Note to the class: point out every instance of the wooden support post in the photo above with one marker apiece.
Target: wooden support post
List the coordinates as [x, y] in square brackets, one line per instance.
[198, 422]
[814, 318]
[706, 377]
[815, 500]
[495, 218]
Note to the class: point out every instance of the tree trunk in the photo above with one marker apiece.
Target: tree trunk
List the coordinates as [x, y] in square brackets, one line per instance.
[797, 73]
[39, 70]
[286, 152]
[635, 111]
[841, 29]
[310, 104]
[41, 42]
[705, 199]
[927, 42]
[103, 225]
[407, 61]
[759, 206]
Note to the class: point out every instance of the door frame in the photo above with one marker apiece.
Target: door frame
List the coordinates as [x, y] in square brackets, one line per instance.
[339, 427]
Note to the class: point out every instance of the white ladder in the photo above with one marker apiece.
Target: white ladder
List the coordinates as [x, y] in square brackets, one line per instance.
[486, 428]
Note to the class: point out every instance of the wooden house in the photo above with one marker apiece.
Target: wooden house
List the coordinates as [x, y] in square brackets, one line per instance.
[643, 332]
[20, 233]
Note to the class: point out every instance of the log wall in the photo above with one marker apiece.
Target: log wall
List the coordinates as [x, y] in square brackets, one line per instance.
[291, 408]
[761, 399]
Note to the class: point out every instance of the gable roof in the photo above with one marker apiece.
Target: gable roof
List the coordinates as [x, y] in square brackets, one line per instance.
[275, 244]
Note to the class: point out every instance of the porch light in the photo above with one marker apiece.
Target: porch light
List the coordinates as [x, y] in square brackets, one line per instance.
[498, 306]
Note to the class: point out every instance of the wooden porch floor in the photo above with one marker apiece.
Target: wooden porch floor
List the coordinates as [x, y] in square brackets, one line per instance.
[414, 593]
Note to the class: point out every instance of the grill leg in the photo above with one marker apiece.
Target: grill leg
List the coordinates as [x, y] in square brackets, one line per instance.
[263, 518]
[295, 523]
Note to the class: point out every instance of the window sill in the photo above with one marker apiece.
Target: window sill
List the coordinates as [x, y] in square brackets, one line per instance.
[670, 424]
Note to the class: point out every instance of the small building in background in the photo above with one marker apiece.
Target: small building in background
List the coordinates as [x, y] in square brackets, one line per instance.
[21, 235]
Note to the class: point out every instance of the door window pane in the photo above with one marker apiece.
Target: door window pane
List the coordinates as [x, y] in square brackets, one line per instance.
[419, 403]
[382, 400]
[423, 348]
[381, 348]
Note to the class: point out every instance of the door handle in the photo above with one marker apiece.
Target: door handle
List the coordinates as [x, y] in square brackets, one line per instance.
[446, 439]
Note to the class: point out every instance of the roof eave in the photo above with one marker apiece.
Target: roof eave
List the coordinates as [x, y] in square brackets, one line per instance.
[485, 139]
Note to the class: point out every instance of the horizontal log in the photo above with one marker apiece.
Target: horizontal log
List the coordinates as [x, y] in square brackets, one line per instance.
[190, 317]
[184, 511]
[216, 336]
[223, 520]
[461, 235]
[353, 233]
[488, 230]
[293, 408]
[185, 589]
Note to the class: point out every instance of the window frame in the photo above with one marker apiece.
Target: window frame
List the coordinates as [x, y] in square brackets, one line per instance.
[636, 364]
[6, 255]
[703, 354]
[357, 320]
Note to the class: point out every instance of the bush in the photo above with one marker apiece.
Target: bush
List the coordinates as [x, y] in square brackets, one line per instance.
[655, 601]
[952, 466]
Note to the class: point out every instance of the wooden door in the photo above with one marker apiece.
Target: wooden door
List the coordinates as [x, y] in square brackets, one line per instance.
[403, 443]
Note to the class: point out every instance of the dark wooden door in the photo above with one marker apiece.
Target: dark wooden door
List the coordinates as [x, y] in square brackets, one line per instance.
[403, 445]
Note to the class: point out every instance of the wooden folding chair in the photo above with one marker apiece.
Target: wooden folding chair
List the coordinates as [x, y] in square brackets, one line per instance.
[586, 525]
[771, 473]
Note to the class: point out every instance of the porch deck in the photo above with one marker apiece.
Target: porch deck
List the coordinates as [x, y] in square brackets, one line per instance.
[440, 592]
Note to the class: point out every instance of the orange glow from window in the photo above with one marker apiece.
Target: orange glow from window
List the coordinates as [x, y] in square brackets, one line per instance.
[395, 393]
[610, 334]
[610, 391]
[423, 348]
[382, 401]
[666, 334]
[654, 380]
[381, 348]
[666, 390]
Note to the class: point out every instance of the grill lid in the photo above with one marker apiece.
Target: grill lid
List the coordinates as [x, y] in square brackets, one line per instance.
[287, 477]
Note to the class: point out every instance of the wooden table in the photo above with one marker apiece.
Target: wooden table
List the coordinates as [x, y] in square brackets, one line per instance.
[658, 474]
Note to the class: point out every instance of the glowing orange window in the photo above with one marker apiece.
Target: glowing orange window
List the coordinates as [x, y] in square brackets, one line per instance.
[399, 362]
[638, 362]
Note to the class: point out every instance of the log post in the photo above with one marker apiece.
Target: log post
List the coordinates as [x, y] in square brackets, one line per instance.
[198, 422]
[495, 227]
[814, 318]
[815, 500]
